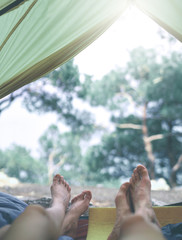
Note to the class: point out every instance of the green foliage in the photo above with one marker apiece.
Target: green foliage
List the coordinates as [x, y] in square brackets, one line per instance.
[56, 93]
[104, 92]
[167, 91]
[2, 160]
[17, 162]
[65, 151]
[116, 156]
[65, 77]
[149, 80]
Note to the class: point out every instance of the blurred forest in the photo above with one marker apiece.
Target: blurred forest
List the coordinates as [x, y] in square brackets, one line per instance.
[144, 102]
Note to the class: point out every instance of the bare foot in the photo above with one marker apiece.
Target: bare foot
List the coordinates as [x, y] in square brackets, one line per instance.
[140, 191]
[122, 211]
[79, 205]
[60, 191]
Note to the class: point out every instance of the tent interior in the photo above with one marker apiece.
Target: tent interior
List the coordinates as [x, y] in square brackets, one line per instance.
[37, 39]
[37, 36]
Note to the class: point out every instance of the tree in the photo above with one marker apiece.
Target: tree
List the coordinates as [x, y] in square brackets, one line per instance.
[151, 130]
[116, 156]
[62, 153]
[17, 162]
[55, 93]
[152, 86]
[167, 108]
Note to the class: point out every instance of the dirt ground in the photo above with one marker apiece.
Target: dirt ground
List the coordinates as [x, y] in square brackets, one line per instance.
[101, 197]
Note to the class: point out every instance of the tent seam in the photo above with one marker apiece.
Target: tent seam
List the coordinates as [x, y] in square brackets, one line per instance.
[11, 6]
[17, 24]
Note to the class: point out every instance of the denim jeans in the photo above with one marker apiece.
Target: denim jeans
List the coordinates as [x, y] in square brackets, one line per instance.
[65, 238]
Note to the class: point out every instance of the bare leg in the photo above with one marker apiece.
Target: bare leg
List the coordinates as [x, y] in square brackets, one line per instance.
[122, 211]
[79, 205]
[143, 224]
[140, 191]
[42, 224]
[3, 230]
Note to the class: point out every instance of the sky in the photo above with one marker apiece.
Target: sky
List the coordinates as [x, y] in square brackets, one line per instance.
[109, 51]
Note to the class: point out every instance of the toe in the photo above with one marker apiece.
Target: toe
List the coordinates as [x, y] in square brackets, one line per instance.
[136, 175]
[78, 197]
[124, 187]
[127, 185]
[131, 182]
[56, 178]
[61, 180]
[142, 171]
[133, 178]
[66, 184]
[74, 200]
[69, 189]
[81, 196]
[87, 195]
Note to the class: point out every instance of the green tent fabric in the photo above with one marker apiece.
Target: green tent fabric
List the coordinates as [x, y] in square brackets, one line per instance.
[9, 5]
[5, 3]
[37, 36]
[167, 13]
[40, 35]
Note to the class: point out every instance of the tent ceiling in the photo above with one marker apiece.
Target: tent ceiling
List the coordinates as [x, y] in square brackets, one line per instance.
[8, 5]
[5, 3]
[40, 35]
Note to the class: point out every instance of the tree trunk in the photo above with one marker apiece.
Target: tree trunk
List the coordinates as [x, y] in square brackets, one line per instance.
[51, 166]
[147, 143]
[171, 156]
[174, 171]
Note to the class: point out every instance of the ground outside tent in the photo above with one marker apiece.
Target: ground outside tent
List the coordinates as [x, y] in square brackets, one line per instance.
[102, 197]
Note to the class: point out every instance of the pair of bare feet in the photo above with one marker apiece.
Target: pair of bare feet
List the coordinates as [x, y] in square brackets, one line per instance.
[133, 198]
[61, 194]
[133, 205]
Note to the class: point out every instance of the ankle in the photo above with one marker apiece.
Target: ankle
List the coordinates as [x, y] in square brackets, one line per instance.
[137, 227]
[133, 224]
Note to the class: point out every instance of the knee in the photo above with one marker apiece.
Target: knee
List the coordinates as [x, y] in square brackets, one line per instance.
[36, 210]
[36, 215]
[133, 221]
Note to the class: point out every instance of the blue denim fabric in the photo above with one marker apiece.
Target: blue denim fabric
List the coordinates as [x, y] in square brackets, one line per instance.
[172, 231]
[10, 208]
[65, 238]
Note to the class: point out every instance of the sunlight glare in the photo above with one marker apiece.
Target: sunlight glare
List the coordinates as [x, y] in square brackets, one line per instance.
[132, 29]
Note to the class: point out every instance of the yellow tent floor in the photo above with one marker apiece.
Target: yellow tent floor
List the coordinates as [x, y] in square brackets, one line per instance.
[101, 220]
